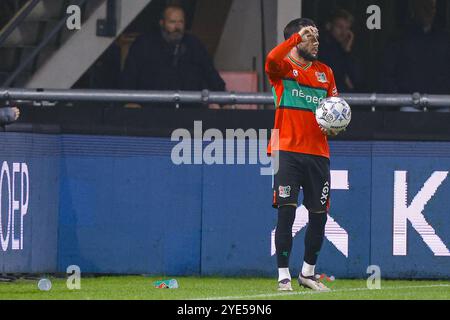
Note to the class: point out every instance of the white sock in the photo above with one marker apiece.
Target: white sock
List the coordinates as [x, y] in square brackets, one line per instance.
[308, 269]
[283, 273]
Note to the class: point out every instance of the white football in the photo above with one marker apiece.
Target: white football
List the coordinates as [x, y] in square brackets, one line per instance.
[333, 113]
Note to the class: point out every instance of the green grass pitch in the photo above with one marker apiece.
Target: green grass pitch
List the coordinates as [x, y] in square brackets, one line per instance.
[140, 287]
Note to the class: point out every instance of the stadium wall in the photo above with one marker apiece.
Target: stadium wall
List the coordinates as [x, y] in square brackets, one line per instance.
[119, 205]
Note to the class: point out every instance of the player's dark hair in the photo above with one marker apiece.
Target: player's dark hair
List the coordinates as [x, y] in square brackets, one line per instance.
[296, 25]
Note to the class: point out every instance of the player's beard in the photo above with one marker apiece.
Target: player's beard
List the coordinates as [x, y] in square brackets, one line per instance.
[306, 55]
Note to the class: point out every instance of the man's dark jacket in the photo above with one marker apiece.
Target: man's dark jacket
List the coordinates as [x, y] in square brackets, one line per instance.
[154, 64]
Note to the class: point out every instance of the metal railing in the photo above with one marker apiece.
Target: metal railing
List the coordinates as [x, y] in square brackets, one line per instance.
[211, 97]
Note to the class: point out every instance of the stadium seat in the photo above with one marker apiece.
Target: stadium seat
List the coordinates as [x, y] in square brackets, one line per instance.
[124, 41]
[241, 81]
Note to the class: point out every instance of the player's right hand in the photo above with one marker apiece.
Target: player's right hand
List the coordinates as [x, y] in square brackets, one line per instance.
[330, 132]
[308, 33]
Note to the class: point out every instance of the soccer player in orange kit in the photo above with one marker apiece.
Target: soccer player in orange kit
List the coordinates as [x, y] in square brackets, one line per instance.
[299, 83]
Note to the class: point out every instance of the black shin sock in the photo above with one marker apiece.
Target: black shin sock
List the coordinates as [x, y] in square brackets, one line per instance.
[283, 235]
[315, 233]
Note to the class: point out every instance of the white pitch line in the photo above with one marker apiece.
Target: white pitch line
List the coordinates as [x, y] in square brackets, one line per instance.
[281, 294]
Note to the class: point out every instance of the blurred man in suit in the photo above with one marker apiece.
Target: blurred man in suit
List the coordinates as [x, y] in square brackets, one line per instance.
[170, 59]
[336, 51]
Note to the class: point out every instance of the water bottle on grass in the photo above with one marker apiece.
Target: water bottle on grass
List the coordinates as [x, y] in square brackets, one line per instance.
[44, 284]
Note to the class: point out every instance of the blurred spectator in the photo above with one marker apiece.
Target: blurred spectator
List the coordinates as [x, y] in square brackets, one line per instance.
[9, 115]
[420, 60]
[336, 50]
[170, 59]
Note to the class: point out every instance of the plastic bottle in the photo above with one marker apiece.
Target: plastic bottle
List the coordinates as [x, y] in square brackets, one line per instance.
[166, 284]
[44, 284]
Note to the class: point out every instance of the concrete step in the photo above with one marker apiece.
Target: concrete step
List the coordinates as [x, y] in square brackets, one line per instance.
[20, 81]
[12, 57]
[30, 33]
[42, 20]
[47, 9]
[47, 15]
[82, 48]
[8, 59]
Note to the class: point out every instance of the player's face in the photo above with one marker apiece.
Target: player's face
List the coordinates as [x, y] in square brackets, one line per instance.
[309, 50]
[173, 23]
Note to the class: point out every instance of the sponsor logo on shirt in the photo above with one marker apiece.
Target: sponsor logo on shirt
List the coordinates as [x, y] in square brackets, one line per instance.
[310, 99]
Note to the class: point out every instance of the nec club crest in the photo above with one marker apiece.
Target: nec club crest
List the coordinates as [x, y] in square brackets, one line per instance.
[295, 72]
[321, 77]
[284, 191]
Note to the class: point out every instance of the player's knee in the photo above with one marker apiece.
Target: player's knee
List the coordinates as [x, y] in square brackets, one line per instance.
[317, 221]
[286, 217]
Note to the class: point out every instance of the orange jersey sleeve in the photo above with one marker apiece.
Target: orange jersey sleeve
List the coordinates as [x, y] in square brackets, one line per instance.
[276, 66]
[332, 89]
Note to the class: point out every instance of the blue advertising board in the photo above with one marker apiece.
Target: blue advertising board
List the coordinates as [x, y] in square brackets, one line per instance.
[121, 205]
[29, 185]
[410, 209]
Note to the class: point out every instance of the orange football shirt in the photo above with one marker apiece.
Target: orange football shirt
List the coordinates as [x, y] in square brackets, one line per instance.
[298, 90]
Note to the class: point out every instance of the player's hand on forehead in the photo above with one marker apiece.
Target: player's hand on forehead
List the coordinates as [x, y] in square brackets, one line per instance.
[309, 33]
